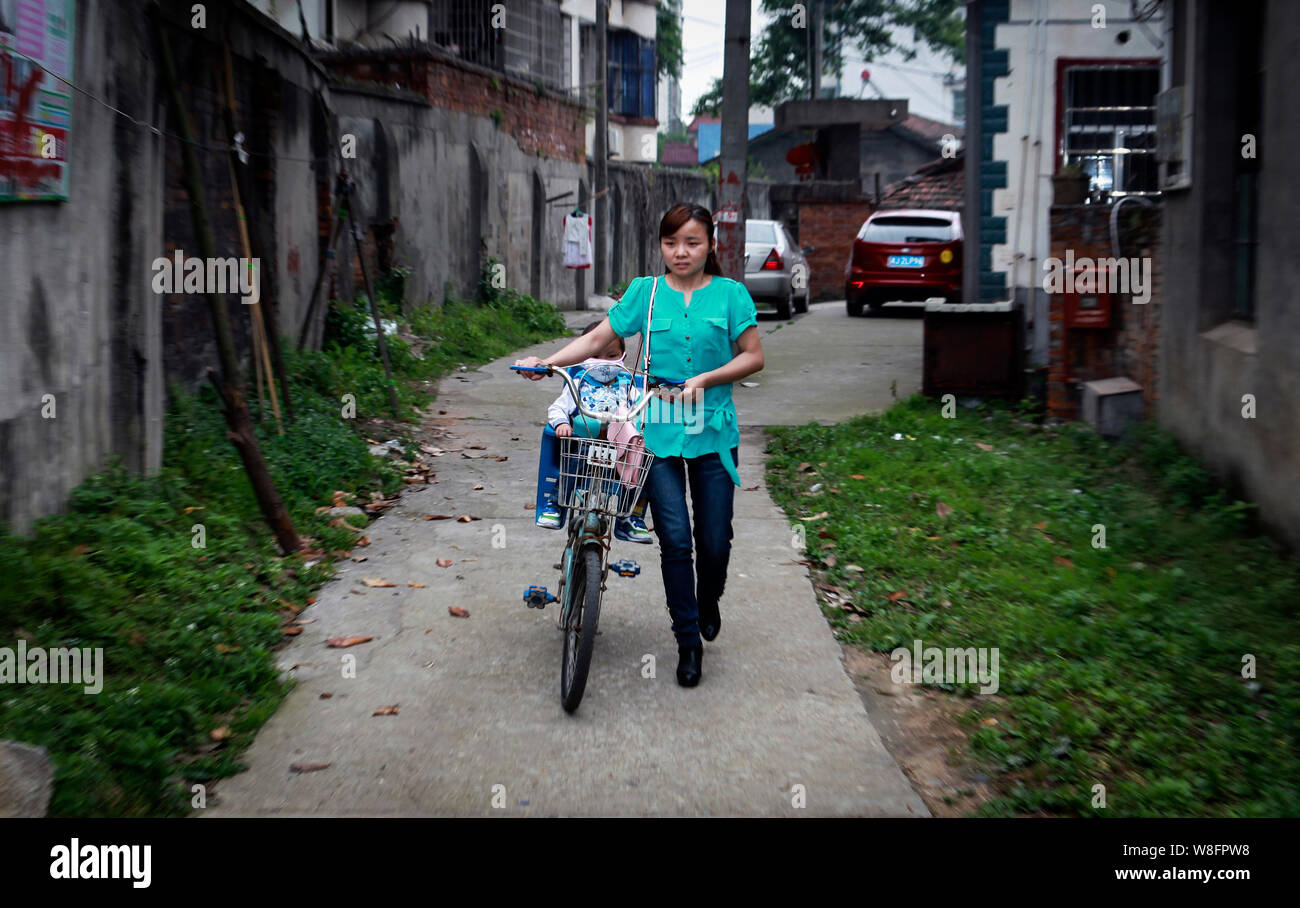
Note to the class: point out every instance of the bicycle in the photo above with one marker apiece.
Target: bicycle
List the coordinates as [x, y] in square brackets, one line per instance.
[600, 482]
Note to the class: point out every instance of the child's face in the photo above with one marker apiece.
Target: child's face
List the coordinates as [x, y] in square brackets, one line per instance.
[613, 350]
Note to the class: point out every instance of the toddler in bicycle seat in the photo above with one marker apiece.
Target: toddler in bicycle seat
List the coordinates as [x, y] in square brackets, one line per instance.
[605, 386]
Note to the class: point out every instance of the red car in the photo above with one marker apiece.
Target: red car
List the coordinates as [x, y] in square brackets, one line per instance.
[907, 254]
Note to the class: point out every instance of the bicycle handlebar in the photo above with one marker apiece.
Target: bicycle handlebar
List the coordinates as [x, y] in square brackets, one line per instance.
[592, 414]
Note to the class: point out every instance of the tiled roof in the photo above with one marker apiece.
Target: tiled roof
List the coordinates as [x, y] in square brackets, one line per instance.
[939, 184]
[931, 129]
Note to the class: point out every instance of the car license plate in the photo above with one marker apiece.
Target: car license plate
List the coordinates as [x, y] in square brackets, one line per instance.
[905, 261]
[602, 456]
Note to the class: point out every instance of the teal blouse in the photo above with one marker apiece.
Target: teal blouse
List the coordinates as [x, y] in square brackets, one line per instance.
[686, 341]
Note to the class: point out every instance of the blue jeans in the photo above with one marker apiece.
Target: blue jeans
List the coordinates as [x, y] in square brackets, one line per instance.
[712, 496]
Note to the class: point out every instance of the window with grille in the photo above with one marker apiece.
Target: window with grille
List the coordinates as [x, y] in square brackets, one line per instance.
[1109, 126]
[631, 74]
[526, 39]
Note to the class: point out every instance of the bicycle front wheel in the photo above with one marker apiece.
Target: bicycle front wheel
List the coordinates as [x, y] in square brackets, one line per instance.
[580, 630]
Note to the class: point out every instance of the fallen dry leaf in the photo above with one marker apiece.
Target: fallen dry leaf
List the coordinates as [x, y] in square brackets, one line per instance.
[983, 447]
[478, 487]
[437, 517]
[308, 767]
[445, 562]
[347, 641]
[857, 569]
[386, 711]
[377, 581]
[1041, 525]
[476, 447]
[1061, 559]
[896, 595]
[360, 558]
[530, 507]
[291, 631]
[326, 696]
[817, 516]
[457, 611]
[856, 476]
[418, 586]
[804, 466]
[224, 648]
[1110, 572]
[503, 457]
[750, 489]
[942, 509]
[220, 734]
[192, 508]
[466, 518]
[990, 721]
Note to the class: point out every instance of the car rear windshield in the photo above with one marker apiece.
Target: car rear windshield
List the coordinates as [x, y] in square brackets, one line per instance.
[759, 232]
[909, 230]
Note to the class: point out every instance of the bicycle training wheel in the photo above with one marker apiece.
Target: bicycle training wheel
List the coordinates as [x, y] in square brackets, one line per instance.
[580, 633]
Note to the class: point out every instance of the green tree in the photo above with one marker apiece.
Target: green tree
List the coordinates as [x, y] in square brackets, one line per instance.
[778, 63]
[668, 38]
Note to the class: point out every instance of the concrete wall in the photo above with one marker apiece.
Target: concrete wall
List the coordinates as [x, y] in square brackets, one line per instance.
[1209, 360]
[459, 187]
[639, 198]
[275, 87]
[78, 320]
[81, 321]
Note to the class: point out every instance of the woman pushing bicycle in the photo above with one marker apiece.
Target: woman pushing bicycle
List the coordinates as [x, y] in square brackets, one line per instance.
[690, 317]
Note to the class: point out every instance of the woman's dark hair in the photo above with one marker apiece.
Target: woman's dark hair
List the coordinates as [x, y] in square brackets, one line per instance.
[594, 325]
[677, 216]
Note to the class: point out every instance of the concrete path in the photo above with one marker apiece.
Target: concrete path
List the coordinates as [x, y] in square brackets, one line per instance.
[480, 721]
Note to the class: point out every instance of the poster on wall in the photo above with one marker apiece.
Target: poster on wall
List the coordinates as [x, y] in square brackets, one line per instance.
[35, 107]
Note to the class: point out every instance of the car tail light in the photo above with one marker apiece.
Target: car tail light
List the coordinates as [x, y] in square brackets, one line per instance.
[772, 262]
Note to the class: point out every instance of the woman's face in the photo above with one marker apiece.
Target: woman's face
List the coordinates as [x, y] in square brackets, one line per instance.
[686, 251]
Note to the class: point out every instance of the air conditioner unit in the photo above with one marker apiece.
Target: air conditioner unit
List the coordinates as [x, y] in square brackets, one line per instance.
[616, 140]
[1174, 138]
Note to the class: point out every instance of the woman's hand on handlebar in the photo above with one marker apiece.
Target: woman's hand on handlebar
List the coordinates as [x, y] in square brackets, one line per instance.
[531, 361]
[692, 392]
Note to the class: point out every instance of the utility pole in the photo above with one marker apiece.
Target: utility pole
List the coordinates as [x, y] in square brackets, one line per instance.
[818, 23]
[600, 276]
[733, 173]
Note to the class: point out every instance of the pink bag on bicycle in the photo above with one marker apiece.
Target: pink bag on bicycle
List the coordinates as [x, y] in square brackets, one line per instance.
[631, 449]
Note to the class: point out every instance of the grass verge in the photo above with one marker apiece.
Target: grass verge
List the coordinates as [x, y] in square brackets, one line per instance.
[1123, 665]
[188, 633]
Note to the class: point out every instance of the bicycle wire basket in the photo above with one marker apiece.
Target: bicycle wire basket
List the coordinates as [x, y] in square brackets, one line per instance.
[600, 475]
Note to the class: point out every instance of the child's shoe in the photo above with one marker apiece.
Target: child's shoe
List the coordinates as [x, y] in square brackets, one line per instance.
[549, 517]
[632, 529]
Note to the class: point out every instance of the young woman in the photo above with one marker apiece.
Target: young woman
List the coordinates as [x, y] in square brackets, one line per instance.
[698, 316]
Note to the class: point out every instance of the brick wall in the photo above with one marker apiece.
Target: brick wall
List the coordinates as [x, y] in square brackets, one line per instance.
[1128, 346]
[829, 227]
[543, 122]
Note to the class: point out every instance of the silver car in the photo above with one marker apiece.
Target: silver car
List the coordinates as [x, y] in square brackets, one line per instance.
[776, 271]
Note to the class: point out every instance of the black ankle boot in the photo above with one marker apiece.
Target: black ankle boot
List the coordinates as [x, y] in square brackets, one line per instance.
[710, 620]
[688, 665]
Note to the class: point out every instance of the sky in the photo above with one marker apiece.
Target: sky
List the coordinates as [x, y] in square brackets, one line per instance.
[918, 80]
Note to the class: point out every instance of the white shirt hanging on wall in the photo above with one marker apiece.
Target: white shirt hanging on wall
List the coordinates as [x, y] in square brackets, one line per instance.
[577, 240]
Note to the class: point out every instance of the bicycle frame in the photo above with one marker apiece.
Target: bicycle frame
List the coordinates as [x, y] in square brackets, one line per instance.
[588, 525]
